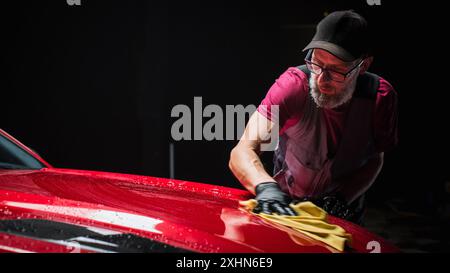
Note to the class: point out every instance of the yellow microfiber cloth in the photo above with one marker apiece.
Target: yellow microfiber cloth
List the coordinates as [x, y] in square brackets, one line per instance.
[310, 220]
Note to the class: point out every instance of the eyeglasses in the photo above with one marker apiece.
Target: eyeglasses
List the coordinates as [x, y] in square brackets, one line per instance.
[333, 75]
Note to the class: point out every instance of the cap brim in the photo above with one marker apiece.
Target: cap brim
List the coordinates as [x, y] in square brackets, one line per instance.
[332, 48]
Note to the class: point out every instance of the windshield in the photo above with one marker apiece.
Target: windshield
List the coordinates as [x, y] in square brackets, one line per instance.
[13, 157]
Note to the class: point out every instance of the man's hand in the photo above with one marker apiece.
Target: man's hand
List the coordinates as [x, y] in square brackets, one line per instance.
[272, 199]
[337, 206]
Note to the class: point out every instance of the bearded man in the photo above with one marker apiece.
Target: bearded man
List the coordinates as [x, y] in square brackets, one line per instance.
[335, 122]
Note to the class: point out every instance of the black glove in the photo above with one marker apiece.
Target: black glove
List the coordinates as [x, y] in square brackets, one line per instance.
[272, 199]
[337, 206]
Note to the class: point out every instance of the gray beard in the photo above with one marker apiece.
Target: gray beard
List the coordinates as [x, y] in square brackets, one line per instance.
[333, 101]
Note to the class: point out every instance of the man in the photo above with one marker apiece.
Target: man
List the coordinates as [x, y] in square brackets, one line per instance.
[336, 120]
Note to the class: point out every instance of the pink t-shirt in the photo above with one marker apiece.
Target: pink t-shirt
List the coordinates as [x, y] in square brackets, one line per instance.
[290, 91]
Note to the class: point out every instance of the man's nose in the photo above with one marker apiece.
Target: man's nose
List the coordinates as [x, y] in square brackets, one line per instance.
[324, 77]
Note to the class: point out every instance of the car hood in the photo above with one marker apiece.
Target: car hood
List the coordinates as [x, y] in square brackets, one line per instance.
[51, 210]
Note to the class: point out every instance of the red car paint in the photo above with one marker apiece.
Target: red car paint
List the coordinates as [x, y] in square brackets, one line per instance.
[186, 215]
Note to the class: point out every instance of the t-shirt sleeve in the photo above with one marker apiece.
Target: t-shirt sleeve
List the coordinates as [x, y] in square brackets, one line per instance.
[289, 92]
[386, 117]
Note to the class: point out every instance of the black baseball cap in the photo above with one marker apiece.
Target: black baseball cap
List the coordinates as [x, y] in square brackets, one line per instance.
[344, 34]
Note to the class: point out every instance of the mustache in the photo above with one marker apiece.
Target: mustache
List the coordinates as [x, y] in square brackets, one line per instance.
[329, 100]
[325, 85]
[328, 87]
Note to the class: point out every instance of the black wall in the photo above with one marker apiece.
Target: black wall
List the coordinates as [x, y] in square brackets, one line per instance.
[92, 86]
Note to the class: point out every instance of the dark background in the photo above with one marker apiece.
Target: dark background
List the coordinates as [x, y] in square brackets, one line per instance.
[92, 86]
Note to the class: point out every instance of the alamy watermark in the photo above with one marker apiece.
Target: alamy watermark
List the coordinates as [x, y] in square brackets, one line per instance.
[221, 123]
[73, 2]
[373, 2]
[374, 247]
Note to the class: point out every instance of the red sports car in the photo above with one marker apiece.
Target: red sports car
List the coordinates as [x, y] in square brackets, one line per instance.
[47, 209]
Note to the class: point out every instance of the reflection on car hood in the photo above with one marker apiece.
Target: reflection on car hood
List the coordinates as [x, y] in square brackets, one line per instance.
[159, 215]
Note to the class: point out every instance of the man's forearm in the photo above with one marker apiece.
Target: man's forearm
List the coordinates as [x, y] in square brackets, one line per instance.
[352, 186]
[248, 168]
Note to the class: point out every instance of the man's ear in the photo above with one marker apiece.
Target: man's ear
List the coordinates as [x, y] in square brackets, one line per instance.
[365, 66]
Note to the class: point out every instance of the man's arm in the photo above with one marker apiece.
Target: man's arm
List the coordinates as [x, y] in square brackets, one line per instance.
[248, 168]
[244, 158]
[355, 184]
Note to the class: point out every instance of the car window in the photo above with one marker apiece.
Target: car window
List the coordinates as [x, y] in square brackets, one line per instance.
[14, 157]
